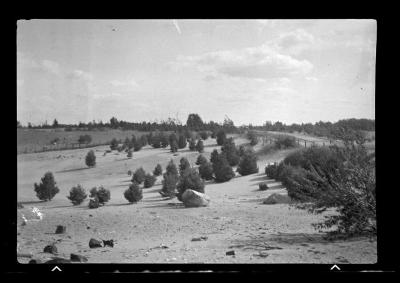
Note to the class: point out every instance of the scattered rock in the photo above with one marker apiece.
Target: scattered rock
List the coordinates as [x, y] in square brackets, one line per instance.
[90, 215]
[109, 243]
[191, 198]
[203, 238]
[277, 198]
[263, 187]
[19, 205]
[93, 243]
[78, 258]
[52, 249]
[262, 254]
[87, 227]
[61, 229]
[230, 252]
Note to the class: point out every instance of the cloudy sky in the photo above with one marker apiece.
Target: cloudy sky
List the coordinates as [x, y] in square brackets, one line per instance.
[250, 70]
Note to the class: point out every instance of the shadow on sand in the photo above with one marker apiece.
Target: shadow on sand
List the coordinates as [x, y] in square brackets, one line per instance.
[72, 170]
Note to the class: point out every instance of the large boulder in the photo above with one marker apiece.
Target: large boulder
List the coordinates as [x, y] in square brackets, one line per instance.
[277, 198]
[191, 198]
[93, 243]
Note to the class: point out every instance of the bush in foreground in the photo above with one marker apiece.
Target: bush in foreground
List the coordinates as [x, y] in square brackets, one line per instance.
[90, 159]
[139, 176]
[190, 179]
[231, 152]
[114, 144]
[149, 180]
[182, 141]
[47, 188]
[77, 195]
[192, 144]
[103, 195]
[157, 170]
[134, 193]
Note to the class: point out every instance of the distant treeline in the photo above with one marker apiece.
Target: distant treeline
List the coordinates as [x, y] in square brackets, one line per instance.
[321, 129]
[194, 122]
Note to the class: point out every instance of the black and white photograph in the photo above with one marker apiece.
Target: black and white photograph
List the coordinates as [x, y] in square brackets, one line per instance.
[196, 141]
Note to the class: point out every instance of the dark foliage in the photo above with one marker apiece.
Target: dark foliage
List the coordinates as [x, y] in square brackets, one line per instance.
[134, 193]
[47, 188]
[190, 179]
[77, 195]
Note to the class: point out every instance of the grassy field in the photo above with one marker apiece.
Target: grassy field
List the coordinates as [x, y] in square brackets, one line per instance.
[33, 140]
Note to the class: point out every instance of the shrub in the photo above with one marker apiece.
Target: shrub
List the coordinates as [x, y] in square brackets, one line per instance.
[157, 170]
[94, 203]
[47, 188]
[149, 180]
[222, 170]
[129, 155]
[170, 180]
[129, 173]
[155, 141]
[204, 135]
[252, 136]
[134, 193]
[137, 145]
[172, 137]
[192, 144]
[90, 159]
[214, 156]
[285, 141]
[171, 169]
[164, 140]
[221, 137]
[103, 195]
[120, 148]
[114, 144]
[143, 140]
[85, 139]
[213, 134]
[248, 163]
[206, 171]
[182, 142]
[77, 195]
[183, 165]
[169, 185]
[174, 146]
[200, 146]
[201, 159]
[139, 176]
[190, 179]
[231, 152]
[271, 170]
[324, 157]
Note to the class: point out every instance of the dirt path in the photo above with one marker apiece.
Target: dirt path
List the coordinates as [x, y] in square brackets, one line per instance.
[161, 231]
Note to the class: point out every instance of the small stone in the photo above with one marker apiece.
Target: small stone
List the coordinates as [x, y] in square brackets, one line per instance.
[230, 252]
[61, 229]
[34, 261]
[52, 249]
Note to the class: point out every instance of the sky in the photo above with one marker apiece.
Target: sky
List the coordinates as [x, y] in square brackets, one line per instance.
[253, 71]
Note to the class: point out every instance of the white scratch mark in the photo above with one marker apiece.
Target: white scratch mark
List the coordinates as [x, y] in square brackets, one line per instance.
[177, 26]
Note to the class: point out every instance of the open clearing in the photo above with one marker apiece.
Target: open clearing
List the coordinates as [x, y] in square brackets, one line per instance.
[156, 230]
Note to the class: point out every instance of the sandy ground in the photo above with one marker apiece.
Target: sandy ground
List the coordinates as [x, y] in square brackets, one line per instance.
[156, 230]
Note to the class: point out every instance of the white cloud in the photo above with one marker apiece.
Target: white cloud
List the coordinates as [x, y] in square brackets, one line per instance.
[260, 62]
